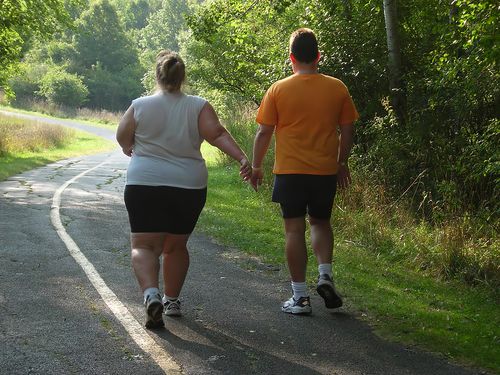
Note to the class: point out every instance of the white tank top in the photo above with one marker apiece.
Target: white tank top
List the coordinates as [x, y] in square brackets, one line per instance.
[167, 142]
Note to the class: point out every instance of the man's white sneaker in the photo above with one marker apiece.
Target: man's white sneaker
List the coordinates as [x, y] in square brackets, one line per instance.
[172, 307]
[300, 306]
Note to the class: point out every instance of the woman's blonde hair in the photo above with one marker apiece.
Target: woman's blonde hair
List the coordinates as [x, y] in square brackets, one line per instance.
[170, 70]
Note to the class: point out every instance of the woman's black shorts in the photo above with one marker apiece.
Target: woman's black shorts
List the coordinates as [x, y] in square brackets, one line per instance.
[163, 208]
[299, 194]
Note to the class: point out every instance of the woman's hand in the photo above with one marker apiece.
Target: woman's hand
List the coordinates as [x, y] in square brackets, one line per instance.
[245, 169]
[128, 151]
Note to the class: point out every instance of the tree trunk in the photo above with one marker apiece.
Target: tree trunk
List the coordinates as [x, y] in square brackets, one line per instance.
[396, 85]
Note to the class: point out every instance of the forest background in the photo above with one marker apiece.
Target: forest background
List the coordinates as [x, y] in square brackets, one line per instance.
[423, 74]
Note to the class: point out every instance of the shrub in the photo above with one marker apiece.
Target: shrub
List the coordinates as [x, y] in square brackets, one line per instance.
[61, 87]
[26, 84]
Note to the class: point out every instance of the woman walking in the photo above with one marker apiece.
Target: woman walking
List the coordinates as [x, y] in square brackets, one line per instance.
[167, 180]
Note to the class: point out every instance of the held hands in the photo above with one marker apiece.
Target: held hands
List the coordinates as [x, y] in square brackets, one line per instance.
[245, 169]
[256, 179]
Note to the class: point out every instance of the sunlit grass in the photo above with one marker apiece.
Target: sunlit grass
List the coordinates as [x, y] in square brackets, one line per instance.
[25, 144]
[381, 280]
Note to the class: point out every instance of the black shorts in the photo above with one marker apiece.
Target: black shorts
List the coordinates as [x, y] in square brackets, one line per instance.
[299, 194]
[163, 208]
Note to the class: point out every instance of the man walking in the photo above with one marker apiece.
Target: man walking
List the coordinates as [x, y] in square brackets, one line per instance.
[307, 111]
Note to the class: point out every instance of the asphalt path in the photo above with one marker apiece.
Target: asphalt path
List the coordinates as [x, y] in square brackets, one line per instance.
[69, 303]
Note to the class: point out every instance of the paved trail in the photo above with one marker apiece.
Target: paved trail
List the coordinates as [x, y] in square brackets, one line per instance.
[53, 319]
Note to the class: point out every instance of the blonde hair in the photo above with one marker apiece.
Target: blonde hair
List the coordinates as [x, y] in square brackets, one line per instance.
[170, 70]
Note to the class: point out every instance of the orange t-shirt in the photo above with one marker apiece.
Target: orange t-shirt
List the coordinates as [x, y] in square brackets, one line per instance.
[306, 110]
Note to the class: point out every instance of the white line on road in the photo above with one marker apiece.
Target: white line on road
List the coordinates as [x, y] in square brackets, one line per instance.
[133, 327]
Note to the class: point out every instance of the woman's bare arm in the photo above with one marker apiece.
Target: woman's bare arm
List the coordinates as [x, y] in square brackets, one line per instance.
[126, 131]
[217, 135]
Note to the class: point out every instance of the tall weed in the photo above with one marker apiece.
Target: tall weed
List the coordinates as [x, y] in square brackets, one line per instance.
[17, 135]
[98, 115]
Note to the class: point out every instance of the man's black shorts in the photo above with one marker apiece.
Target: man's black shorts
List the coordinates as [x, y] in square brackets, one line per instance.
[299, 194]
[163, 208]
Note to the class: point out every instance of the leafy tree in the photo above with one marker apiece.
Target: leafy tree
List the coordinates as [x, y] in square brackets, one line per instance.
[447, 67]
[106, 55]
[21, 20]
[101, 37]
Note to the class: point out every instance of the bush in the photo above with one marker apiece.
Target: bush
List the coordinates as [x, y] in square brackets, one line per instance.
[26, 84]
[61, 87]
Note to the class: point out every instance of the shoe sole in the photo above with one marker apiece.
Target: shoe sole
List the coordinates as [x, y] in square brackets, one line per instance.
[154, 315]
[332, 300]
[291, 310]
[172, 313]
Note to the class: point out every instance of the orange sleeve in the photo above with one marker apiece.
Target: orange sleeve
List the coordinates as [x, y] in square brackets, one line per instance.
[267, 113]
[348, 114]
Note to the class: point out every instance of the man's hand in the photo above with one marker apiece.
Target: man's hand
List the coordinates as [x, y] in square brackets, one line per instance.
[343, 176]
[256, 179]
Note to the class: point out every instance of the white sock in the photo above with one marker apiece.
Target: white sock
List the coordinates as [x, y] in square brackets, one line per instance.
[325, 269]
[150, 292]
[168, 298]
[299, 290]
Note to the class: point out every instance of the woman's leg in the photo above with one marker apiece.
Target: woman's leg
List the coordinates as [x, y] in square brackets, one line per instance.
[175, 263]
[146, 251]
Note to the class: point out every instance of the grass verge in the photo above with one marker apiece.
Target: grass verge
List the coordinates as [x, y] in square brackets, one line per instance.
[401, 302]
[93, 120]
[31, 147]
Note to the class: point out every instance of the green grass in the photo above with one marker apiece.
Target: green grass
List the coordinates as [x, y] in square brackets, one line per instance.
[400, 301]
[19, 152]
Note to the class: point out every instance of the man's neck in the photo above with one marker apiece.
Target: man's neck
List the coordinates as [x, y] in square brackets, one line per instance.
[305, 69]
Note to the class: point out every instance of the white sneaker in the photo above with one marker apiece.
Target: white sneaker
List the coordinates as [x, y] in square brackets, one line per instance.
[172, 307]
[300, 306]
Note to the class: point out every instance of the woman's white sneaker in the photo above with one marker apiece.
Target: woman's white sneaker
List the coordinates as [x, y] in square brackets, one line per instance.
[172, 307]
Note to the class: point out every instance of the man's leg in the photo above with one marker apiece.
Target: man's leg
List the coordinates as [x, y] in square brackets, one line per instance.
[295, 248]
[322, 244]
[322, 239]
[296, 255]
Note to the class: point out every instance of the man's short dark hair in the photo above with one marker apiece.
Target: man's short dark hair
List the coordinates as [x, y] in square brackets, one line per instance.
[304, 45]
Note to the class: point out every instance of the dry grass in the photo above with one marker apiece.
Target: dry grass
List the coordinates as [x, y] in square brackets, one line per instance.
[102, 116]
[17, 135]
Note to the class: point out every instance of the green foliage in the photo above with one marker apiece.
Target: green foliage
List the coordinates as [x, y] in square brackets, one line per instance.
[238, 46]
[21, 20]
[107, 59]
[61, 87]
[444, 160]
[100, 37]
[163, 30]
[112, 90]
[26, 83]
